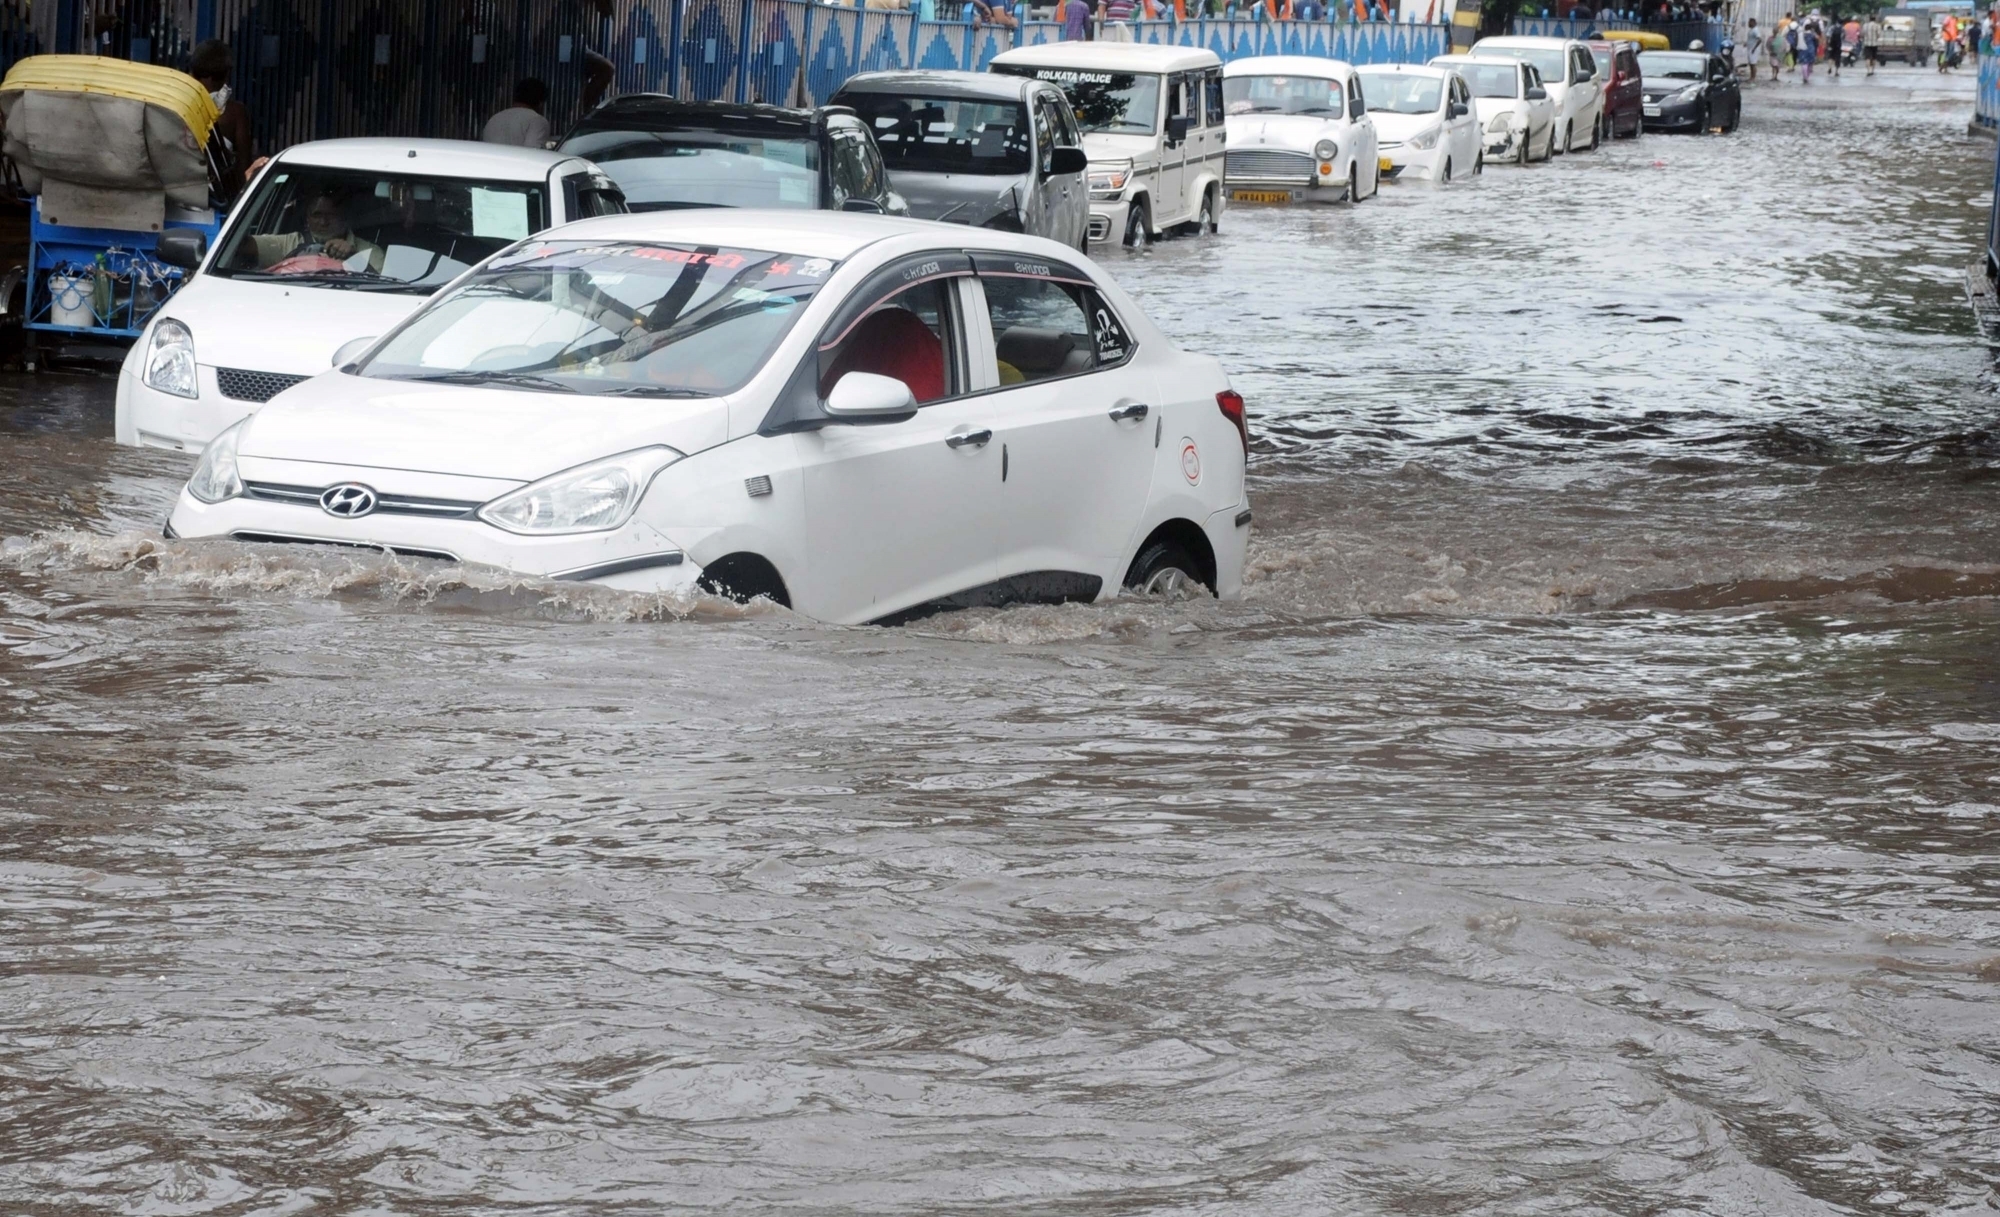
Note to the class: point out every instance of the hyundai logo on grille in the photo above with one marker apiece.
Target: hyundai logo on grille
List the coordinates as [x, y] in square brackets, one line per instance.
[347, 500]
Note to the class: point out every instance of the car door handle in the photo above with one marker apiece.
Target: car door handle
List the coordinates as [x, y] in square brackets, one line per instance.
[976, 439]
[1131, 409]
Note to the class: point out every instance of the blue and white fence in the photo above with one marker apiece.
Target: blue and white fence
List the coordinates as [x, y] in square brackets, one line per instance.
[1679, 34]
[1986, 108]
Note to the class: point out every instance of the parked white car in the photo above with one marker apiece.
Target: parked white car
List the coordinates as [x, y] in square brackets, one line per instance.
[334, 240]
[1569, 73]
[1152, 126]
[1424, 121]
[862, 417]
[1515, 114]
[1299, 131]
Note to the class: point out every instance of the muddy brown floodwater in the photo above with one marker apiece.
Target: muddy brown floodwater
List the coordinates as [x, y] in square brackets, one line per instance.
[1593, 806]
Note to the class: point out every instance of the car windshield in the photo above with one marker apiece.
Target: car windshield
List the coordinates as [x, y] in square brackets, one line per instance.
[659, 170]
[1117, 103]
[607, 319]
[945, 134]
[1492, 79]
[363, 231]
[1282, 95]
[1549, 62]
[1672, 66]
[1401, 92]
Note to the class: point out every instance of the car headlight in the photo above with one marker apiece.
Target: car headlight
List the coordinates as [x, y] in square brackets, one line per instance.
[588, 498]
[1326, 149]
[1499, 123]
[1110, 181]
[215, 477]
[170, 359]
[1688, 94]
[1425, 140]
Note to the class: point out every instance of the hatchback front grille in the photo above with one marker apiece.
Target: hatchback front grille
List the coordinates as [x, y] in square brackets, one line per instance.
[401, 551]
[241, 384]
[1258, 165]
[385, 504]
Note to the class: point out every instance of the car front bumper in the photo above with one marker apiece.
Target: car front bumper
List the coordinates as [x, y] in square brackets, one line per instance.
[1670, 115]
[1504, 144]
[1255, 190]
[635, 557]
[1407, 163]
[148, 418]
[1107, 219]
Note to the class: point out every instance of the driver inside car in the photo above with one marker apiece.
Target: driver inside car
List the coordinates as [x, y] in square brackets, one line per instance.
[327, 233]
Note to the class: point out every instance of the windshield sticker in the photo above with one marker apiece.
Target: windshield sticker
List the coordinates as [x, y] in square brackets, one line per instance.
[499, 213]
[815, 268]
[1111, 338]
[1071, 76]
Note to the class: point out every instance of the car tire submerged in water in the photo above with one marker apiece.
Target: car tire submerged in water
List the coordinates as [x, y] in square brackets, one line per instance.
[1701, 124]
[743, 578]
[1447, 171]
[1167, 570]
[1136, 234]
[1527, 142]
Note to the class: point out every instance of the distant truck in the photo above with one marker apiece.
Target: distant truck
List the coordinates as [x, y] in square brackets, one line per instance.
[1906, 35]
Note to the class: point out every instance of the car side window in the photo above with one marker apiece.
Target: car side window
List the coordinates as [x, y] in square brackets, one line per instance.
[910, 337]
[1041, 329]
[1211, 81]
[846, 170]
[874, 174]
[1532, 75]
[1045, 135]
[1176, 97]
[585, 195]
[1072, 135]
[1356, 104]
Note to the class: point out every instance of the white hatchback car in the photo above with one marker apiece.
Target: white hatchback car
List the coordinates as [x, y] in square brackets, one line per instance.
[1514, 111]
[1569, 73]
[1299, 131]
[864, 418]
[1424, 120]
[334, 240]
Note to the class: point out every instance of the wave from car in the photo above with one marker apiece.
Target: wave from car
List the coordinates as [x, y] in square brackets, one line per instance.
[860, 417]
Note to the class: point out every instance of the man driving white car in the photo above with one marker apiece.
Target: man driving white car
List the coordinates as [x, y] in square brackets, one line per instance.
[326, 232]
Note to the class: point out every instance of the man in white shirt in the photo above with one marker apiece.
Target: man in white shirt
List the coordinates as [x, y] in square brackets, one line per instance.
[521, 124]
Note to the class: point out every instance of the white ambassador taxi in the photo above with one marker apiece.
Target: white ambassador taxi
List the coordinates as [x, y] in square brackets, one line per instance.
[1569, 73]
[1299, 131]
[1152, 126]
[334, 240]
[864, 418]
[1423, 120]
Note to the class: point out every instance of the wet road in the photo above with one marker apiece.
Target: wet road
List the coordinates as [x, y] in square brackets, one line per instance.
[1593, 805]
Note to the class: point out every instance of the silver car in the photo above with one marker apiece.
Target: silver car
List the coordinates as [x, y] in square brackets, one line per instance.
[971, 148]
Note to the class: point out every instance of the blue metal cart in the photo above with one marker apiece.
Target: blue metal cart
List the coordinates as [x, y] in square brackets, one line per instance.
[96, 286]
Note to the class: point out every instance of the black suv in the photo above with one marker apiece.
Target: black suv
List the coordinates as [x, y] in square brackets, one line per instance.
[666, 153]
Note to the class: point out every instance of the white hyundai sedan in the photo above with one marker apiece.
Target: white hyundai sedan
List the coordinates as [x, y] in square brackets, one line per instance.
[1423, 117]
[862, 418]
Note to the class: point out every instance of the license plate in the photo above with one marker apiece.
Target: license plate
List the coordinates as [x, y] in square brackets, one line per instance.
[1384, 164]
[1260, 196]
[1650, 111]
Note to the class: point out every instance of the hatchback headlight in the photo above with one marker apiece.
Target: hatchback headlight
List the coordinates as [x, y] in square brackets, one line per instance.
[588, 498]
[215, 477]
[1425, 140]
[1326, 149]
[170, 360]
[1688, 94]
[1498, 124]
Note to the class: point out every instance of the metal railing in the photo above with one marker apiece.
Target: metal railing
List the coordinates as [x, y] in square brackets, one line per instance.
[1679, 34]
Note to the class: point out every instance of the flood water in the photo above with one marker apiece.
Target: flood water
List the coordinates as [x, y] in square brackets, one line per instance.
[1593, 805]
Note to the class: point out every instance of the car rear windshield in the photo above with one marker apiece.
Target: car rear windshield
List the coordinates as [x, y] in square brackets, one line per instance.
[1115, 103]
[1492, 79]
[1672, 66]
[375, 231]
[1282, 95]
[1549, 62]
[607, 320]
[1401, 92]
[660, 170]
[946, 134]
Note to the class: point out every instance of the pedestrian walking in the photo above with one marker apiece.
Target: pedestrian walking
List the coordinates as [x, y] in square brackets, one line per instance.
[1753, 46]
[1792, 32]
[1808, 52]
[1076, 20]
[1836, 38]
[1871, 43]
[1948, 49]
[1774, 52]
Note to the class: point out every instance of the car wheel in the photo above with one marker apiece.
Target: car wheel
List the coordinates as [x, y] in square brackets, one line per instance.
[1735, 119]
[1136, 234]
[1701, 124]
[1353, 184]
[1596, 135]
[1479, 163]
[1527, 141]
[1206, 223]
[1569, 140]
[1166, 570]
[1447, 170]
[743, 578]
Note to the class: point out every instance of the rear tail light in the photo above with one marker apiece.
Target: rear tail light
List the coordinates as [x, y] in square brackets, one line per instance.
[1231, 404]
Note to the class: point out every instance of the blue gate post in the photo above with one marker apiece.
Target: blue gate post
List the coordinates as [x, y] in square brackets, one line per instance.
[749, 8]
[204, 20]
[806, 52]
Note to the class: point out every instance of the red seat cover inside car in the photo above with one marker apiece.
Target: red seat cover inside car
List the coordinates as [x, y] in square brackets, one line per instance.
[892, 342]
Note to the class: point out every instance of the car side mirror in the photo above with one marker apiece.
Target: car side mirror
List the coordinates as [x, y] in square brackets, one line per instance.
[1065, 161]
[351, 350]
[1457, 110]
[866, 395]
[857, 203]
[1177, 128]
[183, 247]
[1538, 93]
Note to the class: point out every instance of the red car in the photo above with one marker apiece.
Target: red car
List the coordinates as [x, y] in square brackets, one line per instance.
[1618, 69]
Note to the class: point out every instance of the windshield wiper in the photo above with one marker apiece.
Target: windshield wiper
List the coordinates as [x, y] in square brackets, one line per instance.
[513, 380]
[326, 278]
[647, 391]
